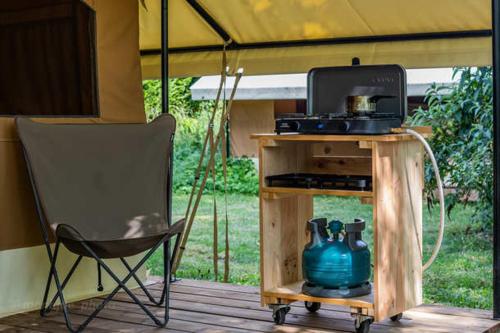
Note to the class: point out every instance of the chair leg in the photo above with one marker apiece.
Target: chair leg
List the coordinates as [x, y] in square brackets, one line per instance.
[60, 295]
[43, 310]
[166, 281]
[99, 278]
[167, 269]
[121, 283]
[141, 285]
[168, 262]
[65, 281]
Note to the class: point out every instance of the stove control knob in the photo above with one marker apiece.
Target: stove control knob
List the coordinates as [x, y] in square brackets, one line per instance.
[296, 126]
[345, 126]
[320, 126]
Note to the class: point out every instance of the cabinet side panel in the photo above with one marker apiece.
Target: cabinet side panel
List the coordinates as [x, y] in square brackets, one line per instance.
[398, 185]
[282, 219]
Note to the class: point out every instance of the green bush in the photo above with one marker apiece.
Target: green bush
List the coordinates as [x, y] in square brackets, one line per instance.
[461, 117]
[241, 176]
[192, 120]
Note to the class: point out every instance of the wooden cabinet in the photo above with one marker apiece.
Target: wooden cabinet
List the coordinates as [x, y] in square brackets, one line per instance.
[395, 163]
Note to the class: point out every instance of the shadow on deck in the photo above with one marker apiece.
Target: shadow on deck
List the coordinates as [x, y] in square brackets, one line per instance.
[202, 306]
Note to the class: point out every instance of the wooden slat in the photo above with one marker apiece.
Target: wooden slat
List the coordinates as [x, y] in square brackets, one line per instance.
[54, 322]
[183, 321]
[293, 291]
[424, 130]
[454, 311]
[346, 165]
[13, 329]
[233, 318]
[338, 158]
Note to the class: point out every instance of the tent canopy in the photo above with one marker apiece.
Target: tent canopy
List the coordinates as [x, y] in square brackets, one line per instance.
[292, 36]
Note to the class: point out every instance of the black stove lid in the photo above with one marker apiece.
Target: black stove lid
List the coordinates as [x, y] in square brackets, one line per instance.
[329, 87]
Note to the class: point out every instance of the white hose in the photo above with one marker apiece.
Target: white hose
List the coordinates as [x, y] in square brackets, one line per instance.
[439, 240]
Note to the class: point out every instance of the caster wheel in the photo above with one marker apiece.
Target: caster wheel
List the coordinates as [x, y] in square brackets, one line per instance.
[364, 327]
[279, 315]
[100, 288]
[312, 306]
[397, 317]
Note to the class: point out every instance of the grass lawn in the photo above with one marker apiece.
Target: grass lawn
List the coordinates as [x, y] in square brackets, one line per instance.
[461, 275]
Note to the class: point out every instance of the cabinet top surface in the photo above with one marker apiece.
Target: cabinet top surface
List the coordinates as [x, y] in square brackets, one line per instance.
[325, 137]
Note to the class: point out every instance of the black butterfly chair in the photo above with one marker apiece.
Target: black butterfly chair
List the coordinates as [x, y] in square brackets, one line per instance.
[105, 192]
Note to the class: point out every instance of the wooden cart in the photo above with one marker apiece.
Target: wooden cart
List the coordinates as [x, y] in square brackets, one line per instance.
[395, 163]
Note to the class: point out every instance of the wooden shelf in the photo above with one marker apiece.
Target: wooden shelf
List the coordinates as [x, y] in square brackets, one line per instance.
[395, 137]
[293, 291]
[316, 191]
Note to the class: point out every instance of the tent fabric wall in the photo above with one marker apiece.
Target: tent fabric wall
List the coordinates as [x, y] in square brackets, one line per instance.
[120, 98]
[268, 21]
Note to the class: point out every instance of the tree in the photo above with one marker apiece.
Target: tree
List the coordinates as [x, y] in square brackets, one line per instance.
[461, 116]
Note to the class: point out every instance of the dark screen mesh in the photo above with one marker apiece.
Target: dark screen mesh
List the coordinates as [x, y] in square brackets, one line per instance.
[47, 58]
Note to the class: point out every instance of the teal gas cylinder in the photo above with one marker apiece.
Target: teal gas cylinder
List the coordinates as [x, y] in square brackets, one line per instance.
[336, 266]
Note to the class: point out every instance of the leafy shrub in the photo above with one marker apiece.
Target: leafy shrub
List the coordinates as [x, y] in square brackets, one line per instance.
[241, 176]
[192, 120]
[461, 117]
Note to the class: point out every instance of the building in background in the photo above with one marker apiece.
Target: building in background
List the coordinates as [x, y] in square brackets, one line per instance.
[260, 99]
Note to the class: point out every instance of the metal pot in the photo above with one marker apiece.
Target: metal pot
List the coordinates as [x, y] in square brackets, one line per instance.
[361, 104]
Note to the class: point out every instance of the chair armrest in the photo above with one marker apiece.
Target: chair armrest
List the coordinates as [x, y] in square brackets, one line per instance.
[177, 227]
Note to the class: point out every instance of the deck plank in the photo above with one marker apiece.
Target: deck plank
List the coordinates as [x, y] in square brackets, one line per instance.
[304, 318]
[204, 306]
[14, 329]
[210, 285]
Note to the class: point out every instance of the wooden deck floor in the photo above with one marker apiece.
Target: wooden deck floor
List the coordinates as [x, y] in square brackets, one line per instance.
[201, 306]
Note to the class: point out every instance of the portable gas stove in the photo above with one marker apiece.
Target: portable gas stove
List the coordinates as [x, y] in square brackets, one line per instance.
[351, 100]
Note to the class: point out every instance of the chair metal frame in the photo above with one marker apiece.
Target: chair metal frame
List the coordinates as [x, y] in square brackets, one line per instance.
[53, 273]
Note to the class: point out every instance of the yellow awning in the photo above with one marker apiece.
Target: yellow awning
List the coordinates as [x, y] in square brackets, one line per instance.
[290, 36]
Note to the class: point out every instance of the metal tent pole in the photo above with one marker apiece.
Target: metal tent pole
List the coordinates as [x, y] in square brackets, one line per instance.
[319, 42]
[164, 56]
[164, 96]
[164, 109]
[496, 158]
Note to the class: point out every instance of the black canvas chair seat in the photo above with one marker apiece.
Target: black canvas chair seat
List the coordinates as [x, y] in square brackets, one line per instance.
[104, 191]
[114, 248]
